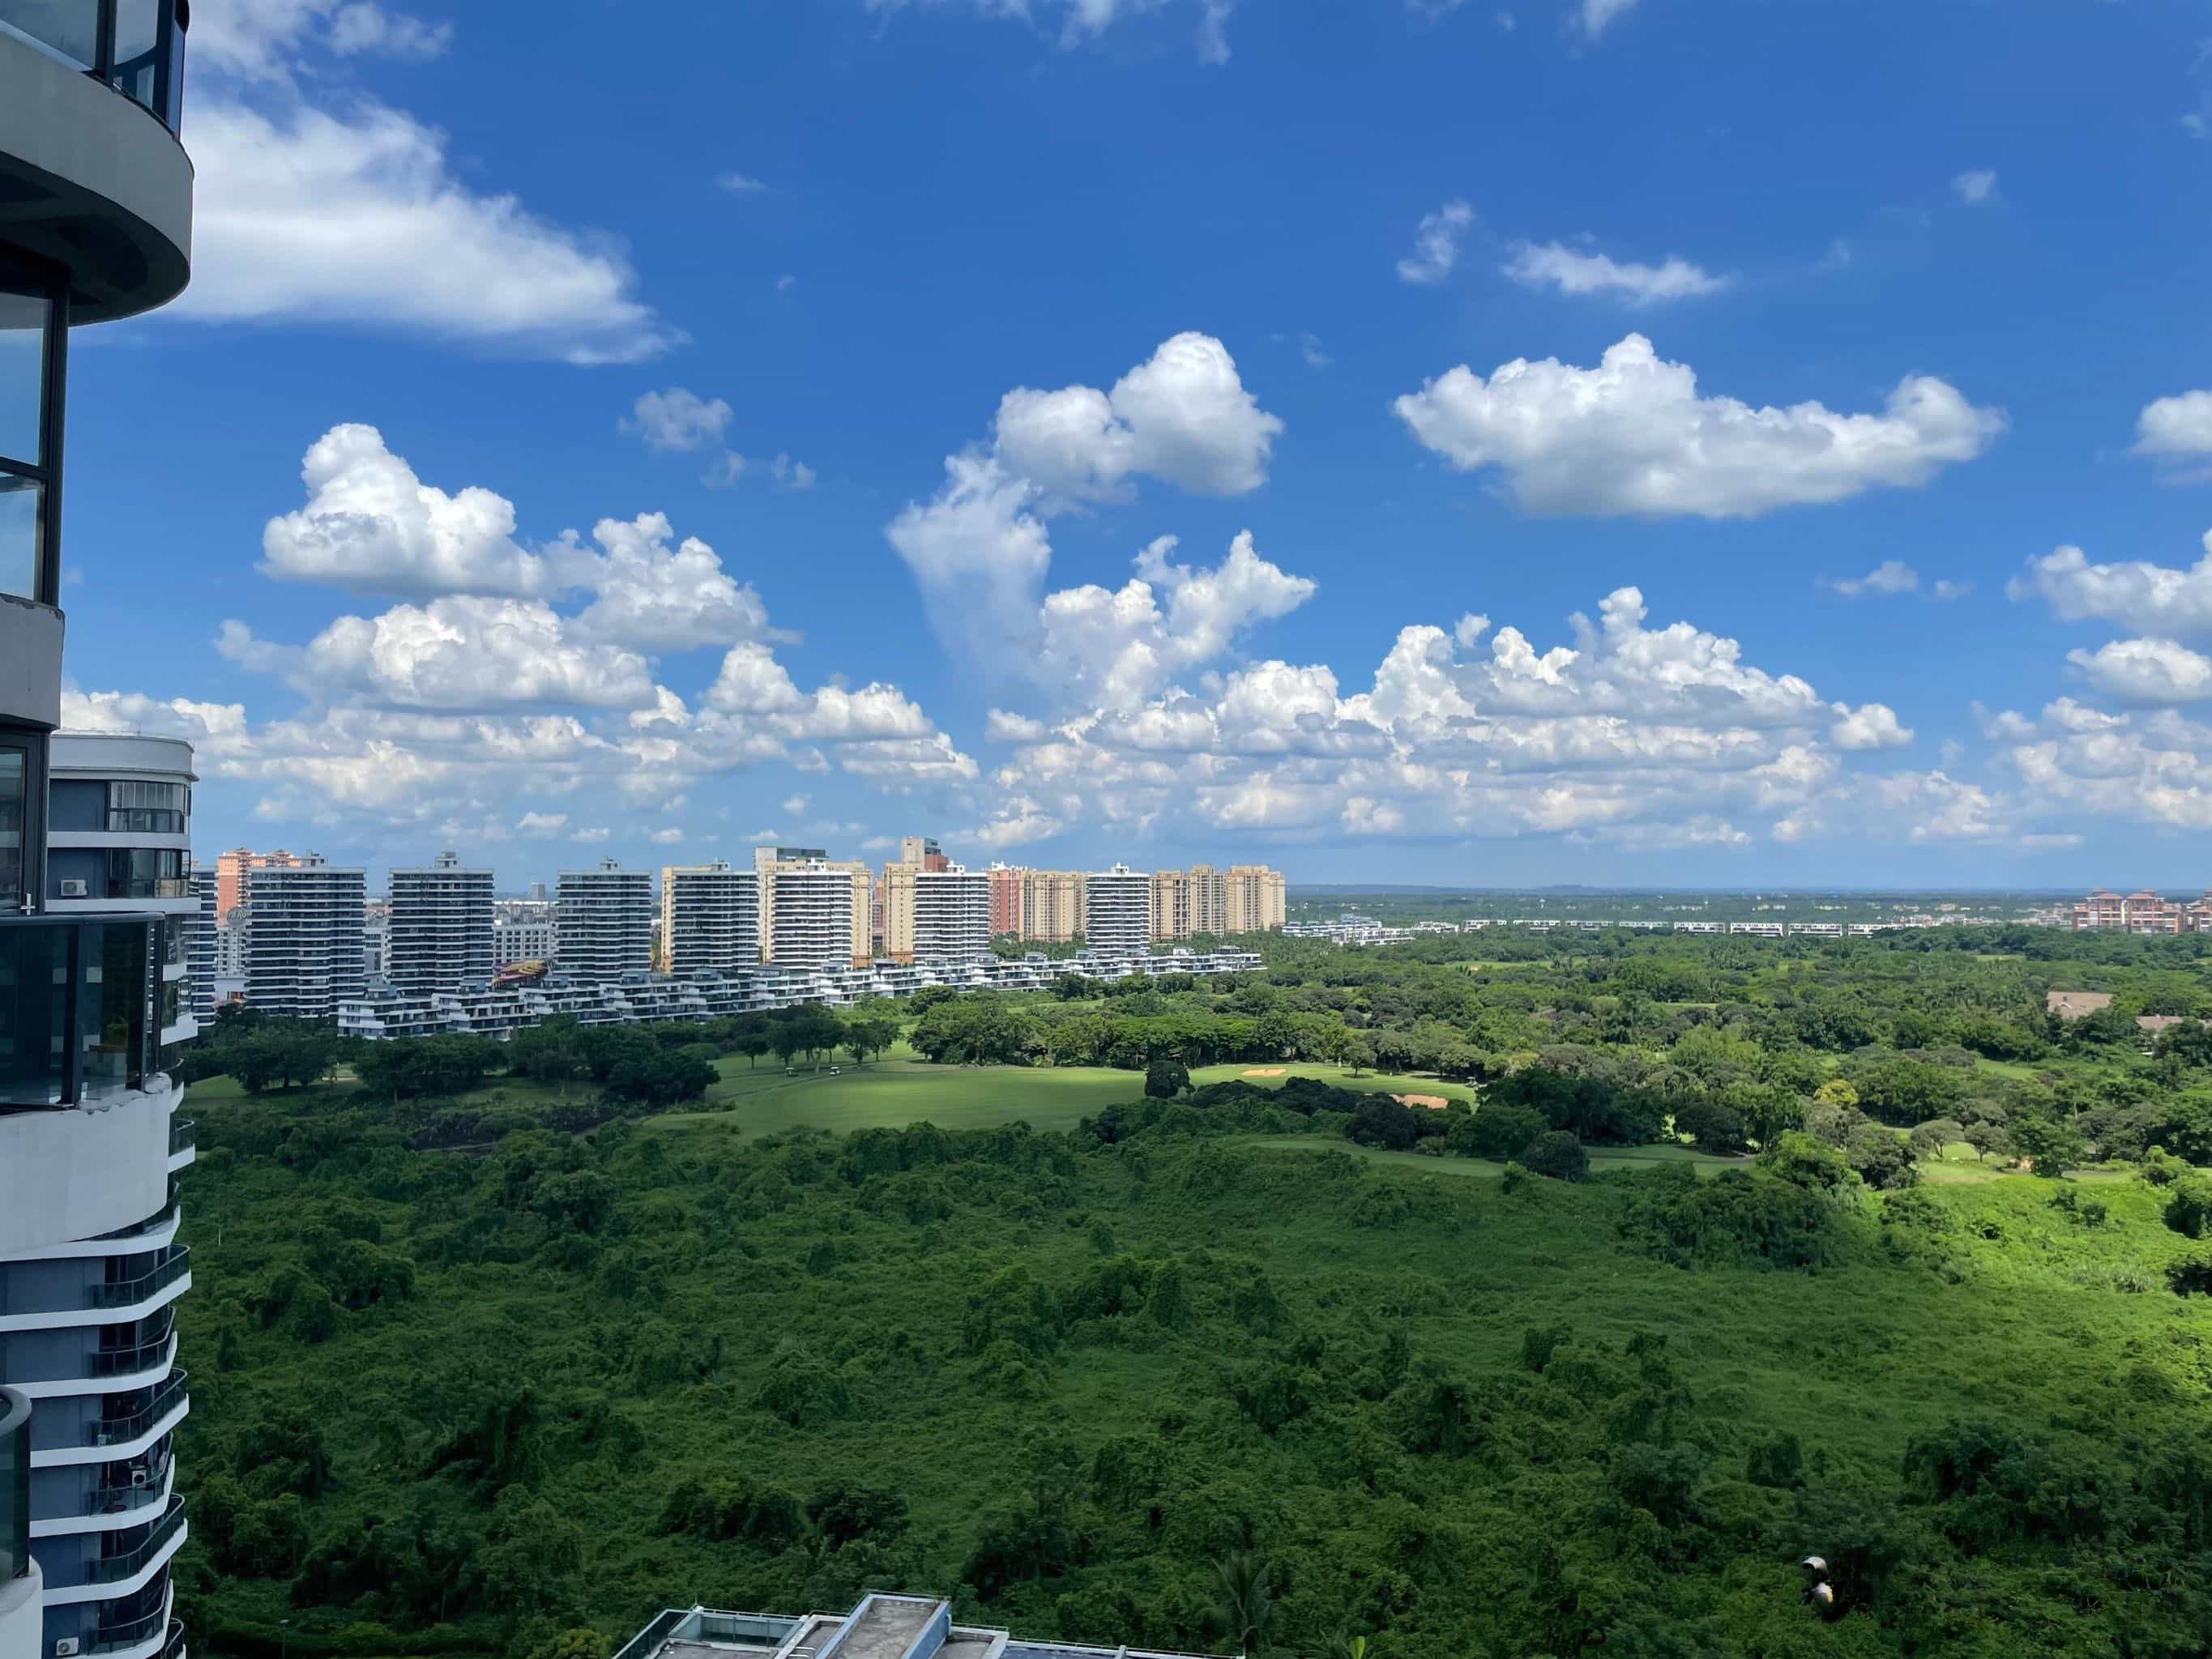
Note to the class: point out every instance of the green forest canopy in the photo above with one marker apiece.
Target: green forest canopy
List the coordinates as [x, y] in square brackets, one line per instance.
[514, 1402]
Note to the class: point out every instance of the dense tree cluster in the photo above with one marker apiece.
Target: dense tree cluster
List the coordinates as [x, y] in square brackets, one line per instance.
[477, 1374]
[1161, 1381]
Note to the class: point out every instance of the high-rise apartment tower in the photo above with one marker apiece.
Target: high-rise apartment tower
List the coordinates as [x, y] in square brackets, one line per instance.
[814, 909]
[710, 917]
[439, 936]
[96, 226]
[603, 919]
[306, 938]
[1117, 911]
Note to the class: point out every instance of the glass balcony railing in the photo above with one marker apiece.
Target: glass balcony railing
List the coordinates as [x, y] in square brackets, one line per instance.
[181, 1133]
[124, 1498]
[137, 46]
[130, 1291]
[78, 1019]
[120, 1430]
[136, 1632]
[131, 1560]
[14, 1486]
[139, 1357]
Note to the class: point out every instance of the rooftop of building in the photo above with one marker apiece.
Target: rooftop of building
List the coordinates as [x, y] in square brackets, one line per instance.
[883, 1626]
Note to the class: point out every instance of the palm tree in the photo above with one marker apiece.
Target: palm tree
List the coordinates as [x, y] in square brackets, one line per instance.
[1247, 1605]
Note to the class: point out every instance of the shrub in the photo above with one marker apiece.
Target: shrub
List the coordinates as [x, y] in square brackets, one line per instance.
[1500, 1132]
[1735, 1218]
[2188, 1206]
[1558, 1155]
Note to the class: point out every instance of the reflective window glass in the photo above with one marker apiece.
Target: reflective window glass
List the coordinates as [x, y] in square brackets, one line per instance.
[137, 39]
[159, 808]
[173, 95]
[34, 1004]
[15, 802]
[68, 29]
[22, 373]
[20, 500]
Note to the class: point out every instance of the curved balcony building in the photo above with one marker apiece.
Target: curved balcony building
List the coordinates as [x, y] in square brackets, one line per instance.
[96, 224]
[21, 1589]
[119, 839]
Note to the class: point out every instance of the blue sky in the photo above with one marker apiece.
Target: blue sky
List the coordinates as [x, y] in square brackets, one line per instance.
[1828, 329]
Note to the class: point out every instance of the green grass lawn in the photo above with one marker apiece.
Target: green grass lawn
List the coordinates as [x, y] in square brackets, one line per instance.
[1366, 1082]
[759, 1100]
[893, 1093]
[2019, 1071]
[1482, 1169]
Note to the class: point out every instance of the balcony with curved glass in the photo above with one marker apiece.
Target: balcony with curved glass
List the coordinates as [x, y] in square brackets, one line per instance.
[33, 330]
[79, 1008]
[136, 47]
[130, 1292]
[14, 1486]
[160, 1404]
[153, 1635]
[130, 1559]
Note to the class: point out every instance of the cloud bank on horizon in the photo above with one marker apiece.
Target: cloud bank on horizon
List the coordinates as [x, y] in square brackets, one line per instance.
[1153, 619]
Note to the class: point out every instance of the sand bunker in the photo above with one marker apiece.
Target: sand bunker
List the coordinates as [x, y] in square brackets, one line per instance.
[1263, 1070]
[1434, 1103]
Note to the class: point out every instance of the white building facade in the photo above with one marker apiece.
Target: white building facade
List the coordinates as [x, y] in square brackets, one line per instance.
[605, 917]
[952, 913]
[306, 938]
[513, 942]
[439, 934]
[710, 917]
[814, 909]
[1117, 911]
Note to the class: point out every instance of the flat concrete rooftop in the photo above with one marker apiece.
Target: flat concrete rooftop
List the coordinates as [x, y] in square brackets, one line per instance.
[883, 1626]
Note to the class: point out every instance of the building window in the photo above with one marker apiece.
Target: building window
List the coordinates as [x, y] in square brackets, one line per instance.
[31, 321]
[137, 46]
[143, 872]
[14, 807]
[160, 809]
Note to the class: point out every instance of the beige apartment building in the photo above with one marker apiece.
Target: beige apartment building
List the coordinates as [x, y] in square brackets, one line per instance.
[1052, 906]
[939, 913]
[1246, 898]
[1255, 901]
[814, 909]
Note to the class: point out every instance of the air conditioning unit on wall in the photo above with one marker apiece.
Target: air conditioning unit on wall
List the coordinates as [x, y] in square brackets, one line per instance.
[73, 889]
[65, 1647]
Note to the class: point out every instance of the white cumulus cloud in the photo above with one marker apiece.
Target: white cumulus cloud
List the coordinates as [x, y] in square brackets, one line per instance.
[1634, 435]
[1976, 186]
[1116, 647]
[979, 548]
[1889, 577]
[457, 653]
[349, 212]
[1435, 245]
[678, 419]
[2147, 671]
[1552, 265]
[2153, 599]
[1184, 415]
[2177, 433]
[661, 596]
[1870, 725]
[1081, 22]
[371, 524]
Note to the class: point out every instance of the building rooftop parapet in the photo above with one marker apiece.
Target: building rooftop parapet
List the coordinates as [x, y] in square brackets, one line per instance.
[883, 1626]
